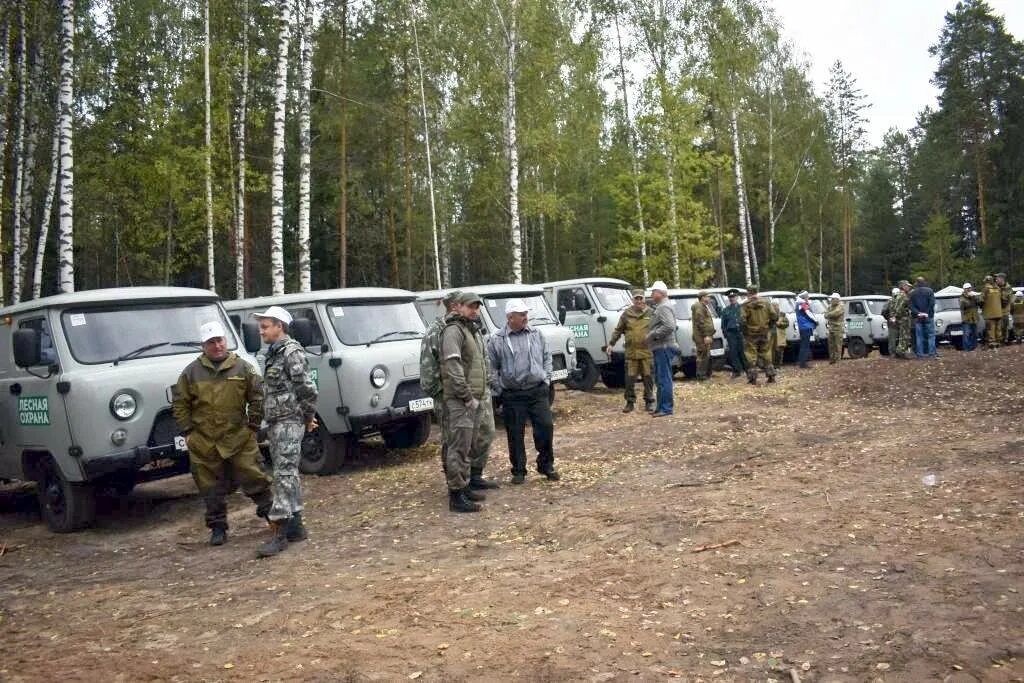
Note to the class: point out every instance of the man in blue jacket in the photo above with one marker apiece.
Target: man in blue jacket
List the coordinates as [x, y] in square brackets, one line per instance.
[922, 311]
[806, 324]
[734, 334]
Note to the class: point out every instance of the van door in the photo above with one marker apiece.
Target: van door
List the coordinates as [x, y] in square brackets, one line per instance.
[579, 318]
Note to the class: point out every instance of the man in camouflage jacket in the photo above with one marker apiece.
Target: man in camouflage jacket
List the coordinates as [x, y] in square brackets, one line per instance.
[899, 321]
[703, 331]
[289, 408]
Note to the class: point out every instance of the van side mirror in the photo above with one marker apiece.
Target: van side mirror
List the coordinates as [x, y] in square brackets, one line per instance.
[302, 331]
[561, 315]
[251, 336]
[28, 348]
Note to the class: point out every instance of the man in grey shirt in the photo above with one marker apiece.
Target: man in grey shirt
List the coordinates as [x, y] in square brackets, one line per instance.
[520, 378]
[661, 339]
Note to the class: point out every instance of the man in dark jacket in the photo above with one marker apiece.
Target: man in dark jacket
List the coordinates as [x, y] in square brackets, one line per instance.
[922, 311]
[734, 334]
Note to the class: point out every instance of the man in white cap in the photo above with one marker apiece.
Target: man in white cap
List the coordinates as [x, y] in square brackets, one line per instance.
[661, 339]
[521, 377]
[218, 404]
[969, 314]
[289, 408]
[835, 319]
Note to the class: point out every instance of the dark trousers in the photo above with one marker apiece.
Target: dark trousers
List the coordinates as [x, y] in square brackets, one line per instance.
[737, 361]
[805, 347]
[970, 336]
[518, 407]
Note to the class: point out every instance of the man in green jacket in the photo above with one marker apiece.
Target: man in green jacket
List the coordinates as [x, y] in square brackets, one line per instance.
[899, 320]
[430, 364]
[834, 318]
[758, 320]
[218, 404]
[1006, 296]
[969, 317]
[703, 331]
[992, 309]
[634, 323]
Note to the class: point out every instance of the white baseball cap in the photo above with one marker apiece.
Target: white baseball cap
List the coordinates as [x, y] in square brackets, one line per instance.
[659, 286]
[211, 330]
[277, 313]
[967, 285]
[895, 291]
[516, 306]
[803, 295]
[835, 295]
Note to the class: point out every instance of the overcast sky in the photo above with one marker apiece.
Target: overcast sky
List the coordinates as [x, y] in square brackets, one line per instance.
[884, 44]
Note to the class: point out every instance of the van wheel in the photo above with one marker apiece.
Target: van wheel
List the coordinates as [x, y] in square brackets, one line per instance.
[585, 376]
[857, 347]
[66, 506]
[323, 453]
[410, 434]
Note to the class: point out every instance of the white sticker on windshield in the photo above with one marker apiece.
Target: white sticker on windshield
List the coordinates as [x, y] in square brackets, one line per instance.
[492, 303]
[339, 312]
[77, 319]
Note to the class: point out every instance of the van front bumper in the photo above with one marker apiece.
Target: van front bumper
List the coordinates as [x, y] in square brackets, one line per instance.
[373, 421]
[132, 460]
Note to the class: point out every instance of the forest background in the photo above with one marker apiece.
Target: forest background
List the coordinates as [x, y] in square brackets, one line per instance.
[264, 146]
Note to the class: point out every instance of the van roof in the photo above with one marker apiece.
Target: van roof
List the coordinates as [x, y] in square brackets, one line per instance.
[779, 293]
[323, 295]
[113, 294]
[866, 297]
[685, 292]
[483, 290]
[587, 281]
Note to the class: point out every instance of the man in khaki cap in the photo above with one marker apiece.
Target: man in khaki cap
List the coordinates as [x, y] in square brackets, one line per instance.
[634, 323]
[703, 330]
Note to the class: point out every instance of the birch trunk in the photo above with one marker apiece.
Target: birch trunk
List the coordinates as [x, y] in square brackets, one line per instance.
[442, 262]
[240, 198]
[771, 178]
[211, 281]
[3, 137]
[672, 219]
[277, 159]
[306, 78]
[542, 237]
[741, 195]
[19, 158]
[44, 222]
[66, 184]
[753, 242]
[512, 149]
[343, 155]
[633, 155]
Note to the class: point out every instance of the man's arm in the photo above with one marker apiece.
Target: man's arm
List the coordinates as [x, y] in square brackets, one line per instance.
[451, 363]
[182, 405]
[494, 361]
[545, 358]
[620, 329]
[297, 367]
[253, 396]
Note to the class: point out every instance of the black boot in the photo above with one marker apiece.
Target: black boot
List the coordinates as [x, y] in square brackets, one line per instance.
[457, 502]
[278, 543]
[628, 408]
[650, 406]
[771, 379]
[472, 495]
[218, 535]
[478, 483]
[752, 379]
[295, 531]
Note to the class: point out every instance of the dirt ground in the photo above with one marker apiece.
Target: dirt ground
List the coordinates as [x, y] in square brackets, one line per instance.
[869, 516]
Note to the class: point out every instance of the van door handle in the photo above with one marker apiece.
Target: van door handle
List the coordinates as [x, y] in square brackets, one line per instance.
[16, 389]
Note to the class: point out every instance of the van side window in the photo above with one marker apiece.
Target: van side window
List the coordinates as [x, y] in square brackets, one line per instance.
[49, 353]
[308, 314]
[236, 320]
[573, 299]
[857, 308]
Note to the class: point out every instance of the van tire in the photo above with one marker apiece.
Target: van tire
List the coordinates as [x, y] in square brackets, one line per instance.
[65, 506]
[410, 434]
[323, 453]
[856, 347]
[586, 374]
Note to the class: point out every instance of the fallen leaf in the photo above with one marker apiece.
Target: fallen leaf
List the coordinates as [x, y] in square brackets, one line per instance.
[415, 674]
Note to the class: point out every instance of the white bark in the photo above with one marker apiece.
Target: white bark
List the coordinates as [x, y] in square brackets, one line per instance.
[442, 270]
[673, 224]
[542, 237]
[741, 195]
[509, 28]
[277, 159]
[240, 212]
[66, 186]
[771, 177]
[306, 78]
[19, 159]
[633, 155]
[211, 281]
[44, 219]
[3, 138]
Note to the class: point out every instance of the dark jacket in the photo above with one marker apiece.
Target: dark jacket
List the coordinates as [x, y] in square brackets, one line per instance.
[731, 319]
[922, 300]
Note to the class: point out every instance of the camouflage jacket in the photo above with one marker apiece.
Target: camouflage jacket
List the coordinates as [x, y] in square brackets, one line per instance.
[992, 301]
[430, 358]
[288, 389]
[834, 317]
[464, 360]
[702, 320]
[968, 308]
[757, 316]
[633, 325]
[218, 405]
[900, 308]
[1006, 296]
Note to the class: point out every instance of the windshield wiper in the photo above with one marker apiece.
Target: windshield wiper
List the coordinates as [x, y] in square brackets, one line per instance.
[542, 318]
[150, 347]
[391, 334]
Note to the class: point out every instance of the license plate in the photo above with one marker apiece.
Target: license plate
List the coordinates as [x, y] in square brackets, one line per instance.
[418, 405]
[180, 443]
[559, 374]
[956, 333]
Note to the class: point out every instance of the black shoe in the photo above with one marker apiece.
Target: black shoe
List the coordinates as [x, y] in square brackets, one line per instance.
[478, 483]
[658, 413]
[295, 531]
[737, 375]
[218, 535]
[752, 379]
[278, 543]
[518, 478]
[552, 475]
[457, 502]
[628, 408]
[650, 406]
[476, 496]
[771, 379]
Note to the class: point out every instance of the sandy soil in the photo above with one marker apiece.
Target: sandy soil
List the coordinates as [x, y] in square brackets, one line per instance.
[870, 516]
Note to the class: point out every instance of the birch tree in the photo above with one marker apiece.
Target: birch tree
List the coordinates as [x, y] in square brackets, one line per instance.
[741, 196]
[45, 218]
[277, 160]
[19, 157]
[305, 21]
[66, 189]
[211, 280]
[509, 30]
[240, 194]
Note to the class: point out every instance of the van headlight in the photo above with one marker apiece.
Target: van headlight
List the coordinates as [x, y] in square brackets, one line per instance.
[379, 376]
[938, 323]
[123, 406]
[570, 346]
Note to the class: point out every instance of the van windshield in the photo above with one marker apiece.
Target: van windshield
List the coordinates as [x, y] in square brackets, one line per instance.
[876, 306]
[785, 305]
[101, 335]
[682, 306]
[947, 304]
[613, 298]
[539, 313]
[818, 306]
[375, 322]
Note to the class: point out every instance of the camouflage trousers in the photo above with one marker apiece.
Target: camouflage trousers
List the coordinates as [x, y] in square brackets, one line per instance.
[759, 348]
[469, 436]
[995, 330]
[835, 345]
[902, 330]
[216, 477]
[285, 439]
[478, 460]
[703, 358]
[642, 368]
